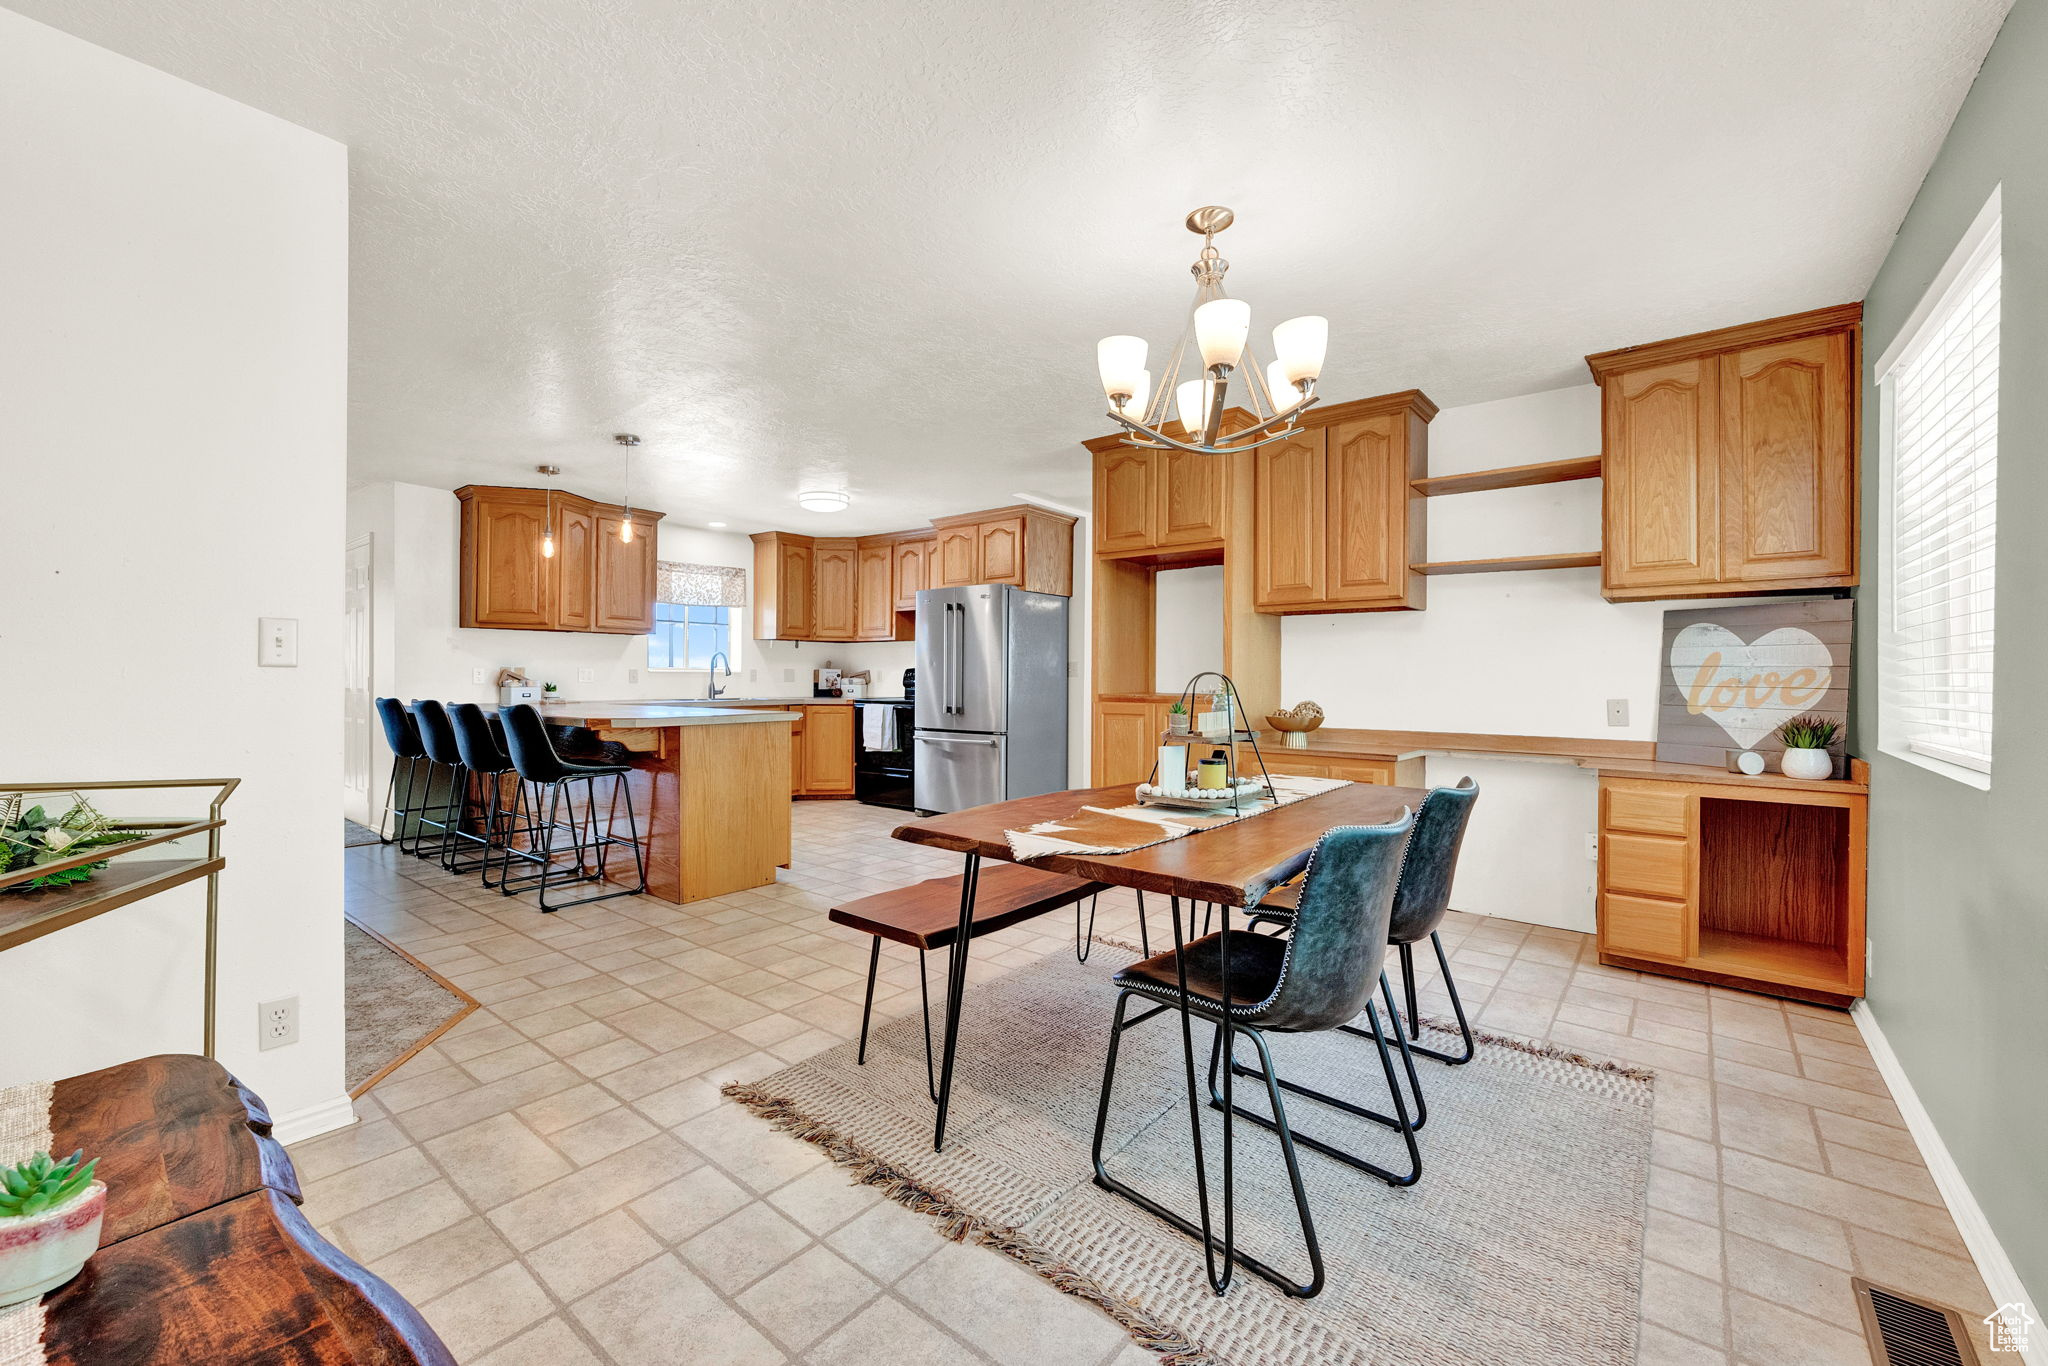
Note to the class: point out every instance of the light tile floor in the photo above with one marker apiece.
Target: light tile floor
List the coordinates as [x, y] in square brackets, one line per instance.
[558, 1180]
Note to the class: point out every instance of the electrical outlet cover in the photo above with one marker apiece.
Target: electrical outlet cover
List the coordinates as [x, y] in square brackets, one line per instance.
[1617, 711]
[277, 1023]
[480, 674]
[586, 675]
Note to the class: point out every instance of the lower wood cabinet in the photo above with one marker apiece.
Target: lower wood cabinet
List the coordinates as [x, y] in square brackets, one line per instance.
[1126, 740]
[594, 581]
[828, 751]
[1756, 884]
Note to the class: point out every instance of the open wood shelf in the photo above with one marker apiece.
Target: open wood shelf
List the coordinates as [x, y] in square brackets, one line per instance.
[1509, 477]
[1588, 560]
[31, 915]
[1819, 967]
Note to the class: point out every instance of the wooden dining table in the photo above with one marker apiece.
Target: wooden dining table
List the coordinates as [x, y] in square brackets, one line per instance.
[1232, 865]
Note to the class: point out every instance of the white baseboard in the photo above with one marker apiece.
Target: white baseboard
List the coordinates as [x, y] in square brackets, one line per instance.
[314, 1120]
[2000, 1279]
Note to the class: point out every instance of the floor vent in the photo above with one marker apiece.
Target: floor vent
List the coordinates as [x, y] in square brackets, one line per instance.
[1905, 1331]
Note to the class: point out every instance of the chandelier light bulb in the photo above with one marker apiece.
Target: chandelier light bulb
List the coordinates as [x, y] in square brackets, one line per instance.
[1120, 361]
[1285, 395]
[1191, 398]
[547, 546]
[1221, 326]
[626, 531]
[1300, 343]
[1134, 408]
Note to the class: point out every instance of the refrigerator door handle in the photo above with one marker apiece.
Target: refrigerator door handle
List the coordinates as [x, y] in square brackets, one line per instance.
[958, 740]
[946, 659]
[960, 659]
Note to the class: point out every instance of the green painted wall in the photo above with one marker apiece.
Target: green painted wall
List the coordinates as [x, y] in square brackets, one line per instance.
[1958, 876]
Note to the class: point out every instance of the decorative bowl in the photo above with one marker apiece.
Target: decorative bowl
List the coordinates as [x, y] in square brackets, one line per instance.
[40, 1252]
[1304, 717]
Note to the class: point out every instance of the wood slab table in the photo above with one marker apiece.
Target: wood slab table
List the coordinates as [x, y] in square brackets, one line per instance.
[1233, 865]
[204, 1256]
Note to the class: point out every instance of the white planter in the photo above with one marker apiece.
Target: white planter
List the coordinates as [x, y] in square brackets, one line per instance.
[40, 1252]
[1808, 763]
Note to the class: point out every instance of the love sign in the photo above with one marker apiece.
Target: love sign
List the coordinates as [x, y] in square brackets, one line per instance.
[1733, 675]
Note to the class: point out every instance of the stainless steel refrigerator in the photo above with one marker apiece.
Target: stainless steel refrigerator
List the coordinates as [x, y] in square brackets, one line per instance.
[991, 695]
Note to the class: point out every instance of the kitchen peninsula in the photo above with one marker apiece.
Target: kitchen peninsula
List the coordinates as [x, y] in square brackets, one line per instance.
[710, 790]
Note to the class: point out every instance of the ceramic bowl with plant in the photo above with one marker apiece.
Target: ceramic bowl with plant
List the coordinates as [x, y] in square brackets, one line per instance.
[31, 836]
[1806, 740]
[50, 1214]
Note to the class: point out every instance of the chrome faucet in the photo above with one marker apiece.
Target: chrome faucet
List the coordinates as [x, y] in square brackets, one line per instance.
[718, 660]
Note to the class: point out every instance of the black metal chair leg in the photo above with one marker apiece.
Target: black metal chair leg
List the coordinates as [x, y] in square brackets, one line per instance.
[867, 1006]
[1457, 1006]
[1399, 1121]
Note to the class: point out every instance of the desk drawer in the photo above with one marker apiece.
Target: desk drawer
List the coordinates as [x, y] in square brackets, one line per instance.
[1357, 770]
[1648, 808]
[1647, 864]
[1644, 925]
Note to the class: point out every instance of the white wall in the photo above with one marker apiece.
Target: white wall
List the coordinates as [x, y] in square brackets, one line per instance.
[174, 353]
[1517, 654]
[1187, 625]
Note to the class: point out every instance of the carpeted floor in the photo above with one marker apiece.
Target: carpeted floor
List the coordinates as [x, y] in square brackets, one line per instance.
[353, 834]
[394, 1007]
[1526, 1246]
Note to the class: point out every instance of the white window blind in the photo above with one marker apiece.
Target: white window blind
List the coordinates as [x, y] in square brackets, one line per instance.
[1936, 639]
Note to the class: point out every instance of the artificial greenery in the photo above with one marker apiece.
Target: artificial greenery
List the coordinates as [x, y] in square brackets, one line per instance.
[1178, 709]
[40, 1184]
[1809, 732]
[547, 687]
[32, 837]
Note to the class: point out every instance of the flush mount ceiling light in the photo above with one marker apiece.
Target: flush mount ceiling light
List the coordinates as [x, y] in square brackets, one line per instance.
[716, 526]
[823, 500]
[1218, 330]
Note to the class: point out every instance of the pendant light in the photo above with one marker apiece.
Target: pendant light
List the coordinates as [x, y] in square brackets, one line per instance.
[629, 441]
[547, 531]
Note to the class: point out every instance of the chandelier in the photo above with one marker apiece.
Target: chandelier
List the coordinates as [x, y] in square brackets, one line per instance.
[1218, 330]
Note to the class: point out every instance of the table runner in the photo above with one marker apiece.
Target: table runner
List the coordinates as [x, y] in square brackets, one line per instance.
[24, 1132]
[1119, 830]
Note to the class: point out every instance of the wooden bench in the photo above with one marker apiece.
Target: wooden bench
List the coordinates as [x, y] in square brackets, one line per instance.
[926, 915]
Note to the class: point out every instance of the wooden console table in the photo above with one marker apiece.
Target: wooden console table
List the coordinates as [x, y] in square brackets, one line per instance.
[204, 1256]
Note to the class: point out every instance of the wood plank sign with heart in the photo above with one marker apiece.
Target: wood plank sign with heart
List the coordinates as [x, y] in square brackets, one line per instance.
[1733, 675]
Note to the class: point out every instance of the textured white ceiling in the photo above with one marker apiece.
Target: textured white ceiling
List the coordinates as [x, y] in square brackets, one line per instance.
[876, 242]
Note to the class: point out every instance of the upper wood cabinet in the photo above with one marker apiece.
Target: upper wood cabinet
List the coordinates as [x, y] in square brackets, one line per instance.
[1025, 545]
[913, 570]
[593, 582]
[834, 613]
[874, 592]
[782, 586]
[1730, 459]
[1157, 500]
[1338, 524]
[866, 587]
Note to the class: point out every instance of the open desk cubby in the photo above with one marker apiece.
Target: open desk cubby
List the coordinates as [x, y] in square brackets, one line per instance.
[1755, 883]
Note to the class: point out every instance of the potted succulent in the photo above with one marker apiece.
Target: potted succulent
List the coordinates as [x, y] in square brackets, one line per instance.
[34, 836]
[1177, 718]
[49, 1223]
[1806, 740]
[550, 693]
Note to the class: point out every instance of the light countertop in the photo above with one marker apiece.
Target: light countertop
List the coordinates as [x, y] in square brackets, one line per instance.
[651, 715]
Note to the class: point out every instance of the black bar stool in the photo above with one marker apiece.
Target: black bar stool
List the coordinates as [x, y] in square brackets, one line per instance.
[480, 739]
[535, 760]
[1317, 978]
[451, 815]
[407, 755]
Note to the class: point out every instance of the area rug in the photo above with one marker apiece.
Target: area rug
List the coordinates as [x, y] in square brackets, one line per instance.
[1522, 1242]
[396, 1006]
[354, 833]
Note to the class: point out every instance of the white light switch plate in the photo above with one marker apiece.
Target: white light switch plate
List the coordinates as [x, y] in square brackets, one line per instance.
[586, 675]
[480, 674]
[277, 642]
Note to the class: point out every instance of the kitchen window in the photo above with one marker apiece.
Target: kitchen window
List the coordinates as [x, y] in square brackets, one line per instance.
[1938, 414]
[696, 611]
